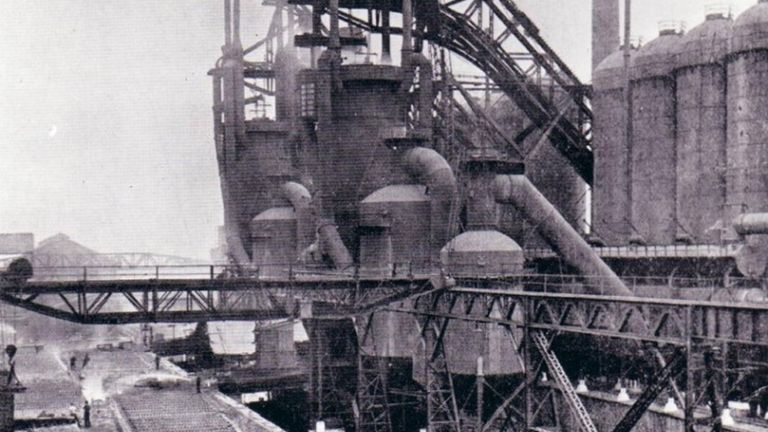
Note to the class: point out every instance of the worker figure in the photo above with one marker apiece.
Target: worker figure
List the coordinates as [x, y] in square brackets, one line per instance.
[87, 415]
[198, 381]
[10, 351]
[86, 359]
[72, 362]
[157, 362]
[12, 373]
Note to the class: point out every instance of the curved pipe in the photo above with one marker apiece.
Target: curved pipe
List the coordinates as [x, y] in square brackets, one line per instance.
[518, 191]
[301, 200]
[297, 194]
[751, 223]
[332, 245]
[330, 240]
[432, 170]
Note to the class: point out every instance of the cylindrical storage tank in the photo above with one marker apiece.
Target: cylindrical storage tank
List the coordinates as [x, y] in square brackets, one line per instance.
[482, 254]
[700, 78]
[747, 110]
[610, 189]
[273, 237]
[653, 168]
[394, 230]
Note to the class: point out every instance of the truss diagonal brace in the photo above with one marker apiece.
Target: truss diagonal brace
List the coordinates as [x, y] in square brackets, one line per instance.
[673, 368]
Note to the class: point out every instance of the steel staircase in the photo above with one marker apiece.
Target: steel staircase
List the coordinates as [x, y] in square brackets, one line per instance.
[569, 393]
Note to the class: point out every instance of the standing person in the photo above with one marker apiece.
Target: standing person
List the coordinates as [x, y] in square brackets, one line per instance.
[87, 414]
[12, 373]
[72, 362]
[197, 383]
[157, 362]
[86, 359]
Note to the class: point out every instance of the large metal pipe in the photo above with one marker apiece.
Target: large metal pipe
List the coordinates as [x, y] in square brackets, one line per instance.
[407, 29]
[386, 49]
[521, 193]
[301, 200]
[236, 22]
[605, 29]
[335, 41]
[751, 223]
[227, 22]
[628, 102]
[332, 245]
[432, 170]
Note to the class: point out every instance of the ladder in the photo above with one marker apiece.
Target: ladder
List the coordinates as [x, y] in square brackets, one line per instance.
[556, 369]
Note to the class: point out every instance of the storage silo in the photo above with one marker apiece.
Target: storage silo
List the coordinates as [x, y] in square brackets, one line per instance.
[652, 160]
[747, 111]
[610, 189]
[700, 78]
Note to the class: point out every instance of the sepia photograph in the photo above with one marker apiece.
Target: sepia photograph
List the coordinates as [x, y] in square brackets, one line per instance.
[384, 215]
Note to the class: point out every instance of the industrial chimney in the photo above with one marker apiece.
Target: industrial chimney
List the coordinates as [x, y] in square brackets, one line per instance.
[605, 29]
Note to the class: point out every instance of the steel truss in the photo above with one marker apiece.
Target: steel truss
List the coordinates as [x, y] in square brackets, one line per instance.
[371, 407]
[148, 300]
[694, 330]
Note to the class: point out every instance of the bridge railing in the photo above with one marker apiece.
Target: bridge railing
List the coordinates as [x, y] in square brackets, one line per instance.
[502, 275]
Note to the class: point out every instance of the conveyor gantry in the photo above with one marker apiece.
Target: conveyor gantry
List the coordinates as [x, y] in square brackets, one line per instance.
[91, 295]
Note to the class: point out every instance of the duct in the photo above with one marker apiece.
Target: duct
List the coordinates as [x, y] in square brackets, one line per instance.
[296, 194]
[751, 223]
[605, 29]
[334, 43]
[301, 200]
[407, 29]
[518, 191]
[432, 170]
[332, 245]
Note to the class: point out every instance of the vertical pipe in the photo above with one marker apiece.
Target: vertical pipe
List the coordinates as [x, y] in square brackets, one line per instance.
[317, 24]
[480, 390]
[334, 43]
[488, 80]
[236, 22]
[386, 49]
[407, 26]
[606, 31]
[227, 23]
[280, 27]
[528, 364]
[218, 109]
[291, 10]
[628, 104]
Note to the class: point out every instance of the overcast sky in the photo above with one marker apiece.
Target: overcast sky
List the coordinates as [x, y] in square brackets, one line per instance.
[105, 112]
